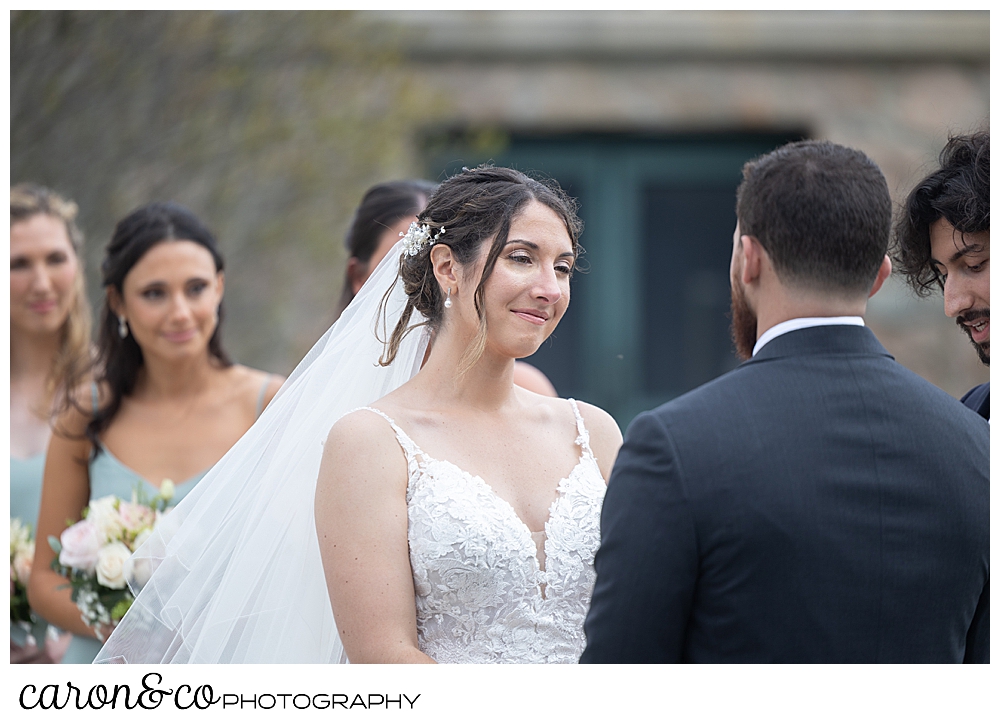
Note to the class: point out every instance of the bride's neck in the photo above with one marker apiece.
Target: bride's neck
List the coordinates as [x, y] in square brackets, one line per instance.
[487, 385]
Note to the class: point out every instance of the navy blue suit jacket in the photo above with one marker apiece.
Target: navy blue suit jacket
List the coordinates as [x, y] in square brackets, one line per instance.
[978, 399]
[820, 503]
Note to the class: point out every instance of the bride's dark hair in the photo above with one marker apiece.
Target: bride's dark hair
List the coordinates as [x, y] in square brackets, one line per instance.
[472, 206]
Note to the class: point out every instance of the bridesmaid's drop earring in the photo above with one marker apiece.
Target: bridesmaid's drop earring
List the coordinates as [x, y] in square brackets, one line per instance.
[122, 326]
[447, 300]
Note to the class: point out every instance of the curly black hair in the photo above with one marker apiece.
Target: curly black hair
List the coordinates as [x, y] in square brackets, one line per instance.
[958, 192]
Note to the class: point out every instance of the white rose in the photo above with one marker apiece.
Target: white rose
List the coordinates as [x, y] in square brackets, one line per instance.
[142, 538]
[137, 570]
[20, 534]
[110, 562]
[105, 518]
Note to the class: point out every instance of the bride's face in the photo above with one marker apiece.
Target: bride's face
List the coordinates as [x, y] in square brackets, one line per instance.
[528, 291]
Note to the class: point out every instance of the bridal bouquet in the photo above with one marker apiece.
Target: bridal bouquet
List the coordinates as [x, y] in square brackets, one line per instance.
[22, 552]
[93, 553]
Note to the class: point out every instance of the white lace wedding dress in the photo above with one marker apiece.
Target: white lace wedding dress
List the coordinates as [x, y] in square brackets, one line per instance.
[234, 573]
[481, 595]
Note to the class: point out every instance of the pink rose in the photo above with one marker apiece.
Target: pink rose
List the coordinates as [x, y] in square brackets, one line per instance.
[22, 563]
[135, 516]
[81, 543]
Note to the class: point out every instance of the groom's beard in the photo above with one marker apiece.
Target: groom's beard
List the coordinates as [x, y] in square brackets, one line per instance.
[982, 349]
[744, 322]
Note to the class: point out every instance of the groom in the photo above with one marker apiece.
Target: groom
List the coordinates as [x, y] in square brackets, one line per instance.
[820, 503]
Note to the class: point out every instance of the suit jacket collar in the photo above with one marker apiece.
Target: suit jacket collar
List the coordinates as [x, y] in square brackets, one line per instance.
[978, 399]
[836, 339]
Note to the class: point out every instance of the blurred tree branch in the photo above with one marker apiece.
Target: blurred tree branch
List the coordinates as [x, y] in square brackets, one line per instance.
[269, 125]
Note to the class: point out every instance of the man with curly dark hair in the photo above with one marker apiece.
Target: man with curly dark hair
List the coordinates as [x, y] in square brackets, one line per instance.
[942, 241]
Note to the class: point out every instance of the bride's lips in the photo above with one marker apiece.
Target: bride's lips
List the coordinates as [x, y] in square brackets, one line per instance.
[178, 337]
[532, 315]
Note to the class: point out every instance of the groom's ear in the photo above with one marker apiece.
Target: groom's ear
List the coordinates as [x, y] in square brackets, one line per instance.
[753, 258]
[445, 266]
[883, 273]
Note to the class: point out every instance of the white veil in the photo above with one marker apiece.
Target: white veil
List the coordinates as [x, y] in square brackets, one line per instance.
[233, 574]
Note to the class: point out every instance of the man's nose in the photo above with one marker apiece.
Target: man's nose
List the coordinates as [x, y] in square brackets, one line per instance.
[957, 297]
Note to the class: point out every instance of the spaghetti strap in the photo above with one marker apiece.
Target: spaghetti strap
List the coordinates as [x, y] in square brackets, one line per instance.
[93, 397]
[410, 448]
[582, 436]
[260, 396]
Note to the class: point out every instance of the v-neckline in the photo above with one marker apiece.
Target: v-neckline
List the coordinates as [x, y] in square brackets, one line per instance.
[495, 494]
[560, 492]
[415, 450]
[192, 478]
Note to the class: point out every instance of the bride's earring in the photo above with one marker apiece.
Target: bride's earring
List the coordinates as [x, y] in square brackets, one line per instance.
[447, 299]
[122, 326]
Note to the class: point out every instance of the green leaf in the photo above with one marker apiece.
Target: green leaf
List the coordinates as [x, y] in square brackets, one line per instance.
[121, 608]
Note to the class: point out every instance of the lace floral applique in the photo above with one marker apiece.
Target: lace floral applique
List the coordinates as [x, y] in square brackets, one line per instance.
[478, 586]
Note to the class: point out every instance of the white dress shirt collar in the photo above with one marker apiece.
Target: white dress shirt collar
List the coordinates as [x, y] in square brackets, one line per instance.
[802, 323]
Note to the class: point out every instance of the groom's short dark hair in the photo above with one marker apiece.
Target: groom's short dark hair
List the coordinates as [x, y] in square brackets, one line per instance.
[821, 211]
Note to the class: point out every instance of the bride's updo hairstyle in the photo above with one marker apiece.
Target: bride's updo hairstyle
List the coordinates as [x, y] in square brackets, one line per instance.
[466, 210]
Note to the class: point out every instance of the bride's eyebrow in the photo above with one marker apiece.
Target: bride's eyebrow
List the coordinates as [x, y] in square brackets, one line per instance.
[533, 245]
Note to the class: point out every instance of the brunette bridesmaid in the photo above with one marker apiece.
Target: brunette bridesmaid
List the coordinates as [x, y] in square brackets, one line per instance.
[167, 401]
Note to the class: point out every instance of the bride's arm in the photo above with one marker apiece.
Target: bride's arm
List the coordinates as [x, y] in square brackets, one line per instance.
[361, 520]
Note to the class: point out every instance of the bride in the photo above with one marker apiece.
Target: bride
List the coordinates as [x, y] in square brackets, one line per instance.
[454, 518]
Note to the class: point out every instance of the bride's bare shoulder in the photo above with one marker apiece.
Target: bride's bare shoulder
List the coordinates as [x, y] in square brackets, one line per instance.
[363, 443]
[599, 422]
[361, 427]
